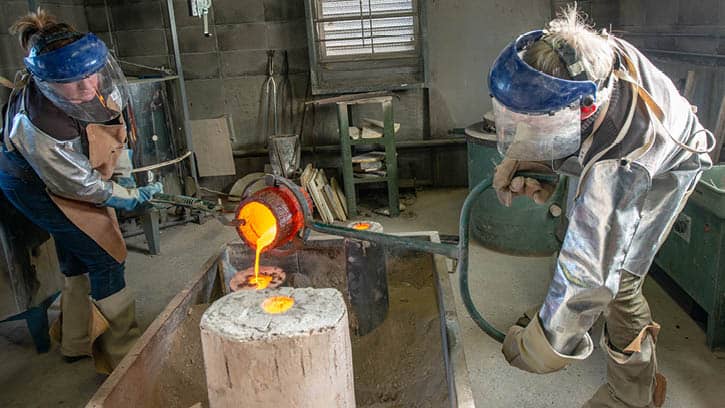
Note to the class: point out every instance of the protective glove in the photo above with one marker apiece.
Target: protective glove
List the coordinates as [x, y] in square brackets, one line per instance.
[128, 199]
[122, 173]
[507, 186]
[528, 349]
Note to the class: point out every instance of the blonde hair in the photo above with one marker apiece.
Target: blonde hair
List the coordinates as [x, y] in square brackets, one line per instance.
[592, 49]
[35, 25]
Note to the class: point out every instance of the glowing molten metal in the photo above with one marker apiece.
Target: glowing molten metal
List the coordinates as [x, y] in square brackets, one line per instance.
[361, 226]
[277, 304]
[259, 227]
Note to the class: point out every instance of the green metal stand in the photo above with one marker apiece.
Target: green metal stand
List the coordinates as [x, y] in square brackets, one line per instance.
[344, 119]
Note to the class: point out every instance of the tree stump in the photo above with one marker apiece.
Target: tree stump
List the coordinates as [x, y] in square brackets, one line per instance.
[296, 359]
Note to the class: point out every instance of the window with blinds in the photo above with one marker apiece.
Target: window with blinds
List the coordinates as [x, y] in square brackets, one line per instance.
[358, 28]
[365, 45]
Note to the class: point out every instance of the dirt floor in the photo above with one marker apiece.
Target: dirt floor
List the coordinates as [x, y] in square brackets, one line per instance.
[182, 382]
[400, 363]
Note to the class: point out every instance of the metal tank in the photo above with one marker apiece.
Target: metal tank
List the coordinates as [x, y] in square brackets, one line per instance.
[157, 129]
[525, 228]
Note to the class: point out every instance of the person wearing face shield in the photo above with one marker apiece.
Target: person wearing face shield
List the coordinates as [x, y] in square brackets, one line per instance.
[570, 100]
[64, 164]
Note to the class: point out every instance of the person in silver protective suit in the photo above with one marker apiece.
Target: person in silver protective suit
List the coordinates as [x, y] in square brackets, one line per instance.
[585, 104]
[64, 164]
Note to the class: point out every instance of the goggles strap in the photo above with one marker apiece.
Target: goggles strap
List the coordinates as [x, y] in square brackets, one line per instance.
[568, 56]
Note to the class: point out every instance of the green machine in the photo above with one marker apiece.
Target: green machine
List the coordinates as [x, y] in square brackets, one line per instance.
[693, 253]
[525, 228]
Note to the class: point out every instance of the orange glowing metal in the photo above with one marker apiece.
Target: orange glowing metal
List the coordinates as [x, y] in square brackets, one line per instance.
[259, 226]
[260, 281]
[362, 226]
[277, 304]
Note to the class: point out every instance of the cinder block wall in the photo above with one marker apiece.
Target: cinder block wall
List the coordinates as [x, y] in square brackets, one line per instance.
[224, 73]
[11, 55]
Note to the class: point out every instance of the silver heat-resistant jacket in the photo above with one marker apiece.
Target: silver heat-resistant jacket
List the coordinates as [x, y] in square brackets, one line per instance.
[633, 181]
[61, 164]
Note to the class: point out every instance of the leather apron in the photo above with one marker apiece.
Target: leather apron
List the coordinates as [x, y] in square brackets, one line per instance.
[105, 144]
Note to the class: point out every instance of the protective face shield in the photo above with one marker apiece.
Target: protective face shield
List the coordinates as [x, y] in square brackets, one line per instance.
[538, 116]
[81, 78]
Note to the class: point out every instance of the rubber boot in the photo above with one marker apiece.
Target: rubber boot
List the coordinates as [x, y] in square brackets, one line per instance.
[632, 379]
[119, 310]
[71, 329]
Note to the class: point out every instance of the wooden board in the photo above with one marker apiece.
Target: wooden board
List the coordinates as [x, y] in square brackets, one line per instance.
[318, 197]
[213, 147]
[340, 194]
[374, 123]
[335, 204]
[323, 185]
[369, 157]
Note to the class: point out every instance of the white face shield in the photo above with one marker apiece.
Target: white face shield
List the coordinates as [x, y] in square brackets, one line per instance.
[97, 98]
[537, 137]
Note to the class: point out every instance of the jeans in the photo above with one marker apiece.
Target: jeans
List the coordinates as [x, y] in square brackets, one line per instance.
[77, 252]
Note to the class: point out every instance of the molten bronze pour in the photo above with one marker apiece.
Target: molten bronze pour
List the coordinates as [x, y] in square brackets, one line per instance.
[269, 277]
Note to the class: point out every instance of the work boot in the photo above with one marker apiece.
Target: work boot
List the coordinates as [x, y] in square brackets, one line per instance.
[71, 329]
[119, 310]
[632, 378]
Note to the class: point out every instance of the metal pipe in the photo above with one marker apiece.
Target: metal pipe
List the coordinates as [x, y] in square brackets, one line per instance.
[448, 250]
[182, 90]
[405, 144]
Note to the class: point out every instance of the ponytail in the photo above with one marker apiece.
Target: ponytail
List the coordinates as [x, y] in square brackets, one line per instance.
[36, 25]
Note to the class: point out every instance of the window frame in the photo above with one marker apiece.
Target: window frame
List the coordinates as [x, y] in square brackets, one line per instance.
[321, 64]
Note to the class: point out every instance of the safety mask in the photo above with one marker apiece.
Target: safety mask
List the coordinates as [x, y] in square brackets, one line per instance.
[81, 78]
[538, 116]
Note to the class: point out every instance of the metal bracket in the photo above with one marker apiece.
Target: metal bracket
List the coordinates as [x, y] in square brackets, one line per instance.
[200, 8]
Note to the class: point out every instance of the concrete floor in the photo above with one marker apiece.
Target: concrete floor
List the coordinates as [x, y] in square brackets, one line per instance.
[502, 287]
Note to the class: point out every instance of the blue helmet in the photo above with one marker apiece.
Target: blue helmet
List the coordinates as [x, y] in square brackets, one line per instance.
[524, 89]
[69, 63]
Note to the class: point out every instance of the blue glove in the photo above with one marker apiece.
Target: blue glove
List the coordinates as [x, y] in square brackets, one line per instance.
[128, 199]
[127, 182]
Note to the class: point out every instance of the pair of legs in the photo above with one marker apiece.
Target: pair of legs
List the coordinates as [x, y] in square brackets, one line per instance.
[629, 341]
[101, 325]
[78, 253]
